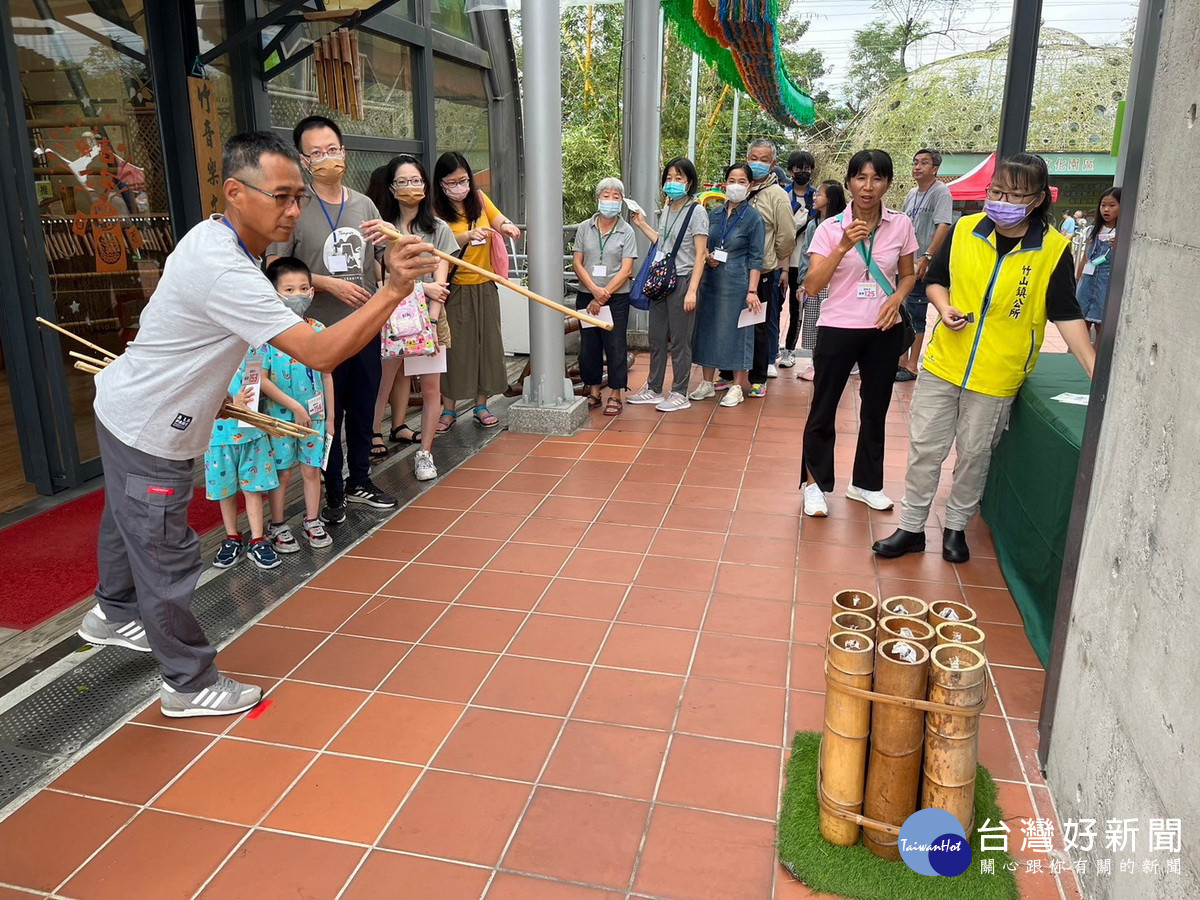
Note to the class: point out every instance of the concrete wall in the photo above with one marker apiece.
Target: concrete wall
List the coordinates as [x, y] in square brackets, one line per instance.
[1126, 740]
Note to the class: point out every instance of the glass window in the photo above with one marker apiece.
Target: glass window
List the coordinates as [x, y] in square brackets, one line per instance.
[387, 89]
[451, 17]
[210, 23]
[461, 113]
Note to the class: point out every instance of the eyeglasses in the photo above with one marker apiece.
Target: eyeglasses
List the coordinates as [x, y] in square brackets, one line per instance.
[408, 182]
[1009, 196]
[283, 199]
[332, 153]
[463, 182]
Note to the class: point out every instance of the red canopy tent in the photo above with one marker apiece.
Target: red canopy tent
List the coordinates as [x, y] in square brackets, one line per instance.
[973, 185]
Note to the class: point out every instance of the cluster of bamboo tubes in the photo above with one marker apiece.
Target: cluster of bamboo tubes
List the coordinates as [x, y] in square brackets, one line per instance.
[93, 365]
[904, 689]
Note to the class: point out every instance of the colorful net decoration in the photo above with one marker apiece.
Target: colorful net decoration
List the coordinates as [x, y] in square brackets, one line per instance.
[739, 37]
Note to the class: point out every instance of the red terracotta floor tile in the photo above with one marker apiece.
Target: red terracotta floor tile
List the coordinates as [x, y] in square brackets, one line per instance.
[382, 872]
[702, 854]
[811, 623]
[436, 673]
[748, 522]
[607, 759]
[1020, 690]
[301, 715]
[393, 546]
[530, 559]
[844, 532]
[492, 460]
[501, 744]
[504, 590]
[996, 748]
[627, 538]
[544, 465]
[473, 628]
[1007, 645]
[672, 458]
[686, 518]
[927, 566]
[662, 606]
[558, 823]
[806, 712]
[355, 662]
[663, 572]
[235, 781]
[402, 729]
[728, 657]
[602, 565]
[564, 638]
[555, 532]
[652, 474]
[760, 551]
[929, 591]
[268, 651]
[508, 503]
[364, 576]
[282, 865]
[476, 479]
[560, 449]
[531, 685]
[509, 886]
[344, 799]
[316, 609]
[816, 557]
[644, 492]
[993, 606]
[424, 582]
[625, 512]
[722, 776]
[45, 840]
[604, 453]
[527, 483]
[466, 552]
[808, 667]
[649, 649]
[145, 859]
[740, 712]
[687, 545]
[981, 571]
[629, 698]
[447, 498]
[133, 764]
[761, 581]
[422, 519]
[394, 619]
[706, 497]
[818, 588]
[749, 617]
[1027, 737]
[584, 599]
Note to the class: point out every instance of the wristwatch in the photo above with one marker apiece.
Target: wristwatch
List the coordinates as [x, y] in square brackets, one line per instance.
[928, 256]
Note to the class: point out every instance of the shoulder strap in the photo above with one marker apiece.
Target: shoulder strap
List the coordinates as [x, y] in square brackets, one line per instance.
[683, 229]
[872, 266]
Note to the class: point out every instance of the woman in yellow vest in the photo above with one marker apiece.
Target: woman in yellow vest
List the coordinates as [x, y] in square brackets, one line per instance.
[999, 278]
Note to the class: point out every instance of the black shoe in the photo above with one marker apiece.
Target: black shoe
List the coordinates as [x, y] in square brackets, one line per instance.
[899, 543]
[954, 546]
[334, 512]
[370, 495]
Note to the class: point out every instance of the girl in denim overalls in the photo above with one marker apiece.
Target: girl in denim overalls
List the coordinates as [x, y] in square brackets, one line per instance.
[1095, 265]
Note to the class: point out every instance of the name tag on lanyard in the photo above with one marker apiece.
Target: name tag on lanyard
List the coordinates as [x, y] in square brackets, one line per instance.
[721, 255]
[867, 290]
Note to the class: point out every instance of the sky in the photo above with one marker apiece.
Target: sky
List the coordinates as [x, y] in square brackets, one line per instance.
[834, 22]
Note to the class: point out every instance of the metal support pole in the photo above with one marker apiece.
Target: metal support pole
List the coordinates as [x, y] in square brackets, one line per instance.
[1018, 82]
[694, 105]
[547, 384]
[733, 135]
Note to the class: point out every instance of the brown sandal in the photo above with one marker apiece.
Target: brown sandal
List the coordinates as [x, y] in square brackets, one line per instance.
[613, 407]
[593, 402]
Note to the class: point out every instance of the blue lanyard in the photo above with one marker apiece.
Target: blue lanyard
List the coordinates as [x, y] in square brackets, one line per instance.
[241, 243]
[917, 209]
[333, 226]
[732, 223]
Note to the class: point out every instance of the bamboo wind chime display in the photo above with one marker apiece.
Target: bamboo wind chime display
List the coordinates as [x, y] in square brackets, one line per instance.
[339, 69]
[94, 365]
[905, 686]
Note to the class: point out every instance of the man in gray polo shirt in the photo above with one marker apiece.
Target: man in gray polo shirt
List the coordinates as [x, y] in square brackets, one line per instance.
[156, 404]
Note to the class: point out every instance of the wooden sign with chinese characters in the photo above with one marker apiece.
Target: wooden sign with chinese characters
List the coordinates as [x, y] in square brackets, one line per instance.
[108, 238]
[207, 138]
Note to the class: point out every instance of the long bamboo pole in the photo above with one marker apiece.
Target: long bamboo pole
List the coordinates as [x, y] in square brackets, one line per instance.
[108, 353]
[393, 234]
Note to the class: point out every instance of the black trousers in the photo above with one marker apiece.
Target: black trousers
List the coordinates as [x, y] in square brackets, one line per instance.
[793, 302]
[767, 294]
[836, 353]
[597, 345]
[355, 387]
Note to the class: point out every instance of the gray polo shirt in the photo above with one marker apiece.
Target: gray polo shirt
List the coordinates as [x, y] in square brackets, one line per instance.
[327, 239]
[929, 210]
[671, 219]
[609, 250]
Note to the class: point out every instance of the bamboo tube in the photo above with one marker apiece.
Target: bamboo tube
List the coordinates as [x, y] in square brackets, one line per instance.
[897, 738]
[849, 660]
[949, 611]
[90, 360]
[913, 607]
[961, 633]
[907, 628]
[84, 367]
[852, 621]
[856, 601]
[106, 353]
[956, 678]
[393, 234]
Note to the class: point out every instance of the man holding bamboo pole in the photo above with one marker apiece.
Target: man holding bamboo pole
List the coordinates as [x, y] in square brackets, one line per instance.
[156, 404]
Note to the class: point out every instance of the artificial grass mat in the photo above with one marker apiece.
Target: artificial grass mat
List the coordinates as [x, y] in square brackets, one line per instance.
[855, 871]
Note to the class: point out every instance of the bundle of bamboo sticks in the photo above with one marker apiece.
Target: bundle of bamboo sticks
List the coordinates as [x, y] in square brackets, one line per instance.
[94, 364]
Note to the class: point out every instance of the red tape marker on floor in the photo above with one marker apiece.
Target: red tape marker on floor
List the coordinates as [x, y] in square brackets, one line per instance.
[259, 710]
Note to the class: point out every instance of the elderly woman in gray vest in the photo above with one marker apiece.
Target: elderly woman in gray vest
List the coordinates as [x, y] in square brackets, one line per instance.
[605, 249]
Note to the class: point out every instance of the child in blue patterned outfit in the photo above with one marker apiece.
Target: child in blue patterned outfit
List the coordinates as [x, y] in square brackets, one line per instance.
[240, 458]
[295, 393]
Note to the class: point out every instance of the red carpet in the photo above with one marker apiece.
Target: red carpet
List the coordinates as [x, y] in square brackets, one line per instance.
[48, 562]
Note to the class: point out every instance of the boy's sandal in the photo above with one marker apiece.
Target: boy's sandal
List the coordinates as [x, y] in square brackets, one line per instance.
[378, 450]
[414, 437]
[484, 417]
[447, 420]
[593, 402]
[612, 407]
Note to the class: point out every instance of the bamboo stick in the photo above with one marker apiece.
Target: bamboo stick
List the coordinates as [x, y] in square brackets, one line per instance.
[91, 361]
[849, 660]
[111, 356]
[393, 234]
[84, 367]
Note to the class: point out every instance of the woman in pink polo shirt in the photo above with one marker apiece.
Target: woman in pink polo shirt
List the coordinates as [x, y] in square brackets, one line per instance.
[865, 257]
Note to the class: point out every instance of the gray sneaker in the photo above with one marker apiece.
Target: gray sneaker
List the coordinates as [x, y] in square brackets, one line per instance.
[646, 395]
[424, 467]
[224, 697]
[95, 629]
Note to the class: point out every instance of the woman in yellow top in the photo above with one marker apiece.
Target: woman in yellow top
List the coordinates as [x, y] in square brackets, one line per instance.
[475, 361]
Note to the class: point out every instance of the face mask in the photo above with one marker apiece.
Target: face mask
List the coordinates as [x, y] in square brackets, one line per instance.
[760, 170]
[801, 178]
[675, 189]
[297, 303]
[328, 169]
[410, 196]
[736, 193]
[458, 192]
[1006, 215]
[610, 208]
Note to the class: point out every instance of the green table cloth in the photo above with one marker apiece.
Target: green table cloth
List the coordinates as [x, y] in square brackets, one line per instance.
[1027, 500]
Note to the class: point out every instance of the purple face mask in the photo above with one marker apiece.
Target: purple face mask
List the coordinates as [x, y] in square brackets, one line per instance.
[1006, 215]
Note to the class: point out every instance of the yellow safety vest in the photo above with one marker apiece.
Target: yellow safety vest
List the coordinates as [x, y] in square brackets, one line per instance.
[994, 354]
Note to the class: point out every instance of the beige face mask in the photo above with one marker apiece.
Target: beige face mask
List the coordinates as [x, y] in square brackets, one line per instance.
[410, 196]
[328, 169]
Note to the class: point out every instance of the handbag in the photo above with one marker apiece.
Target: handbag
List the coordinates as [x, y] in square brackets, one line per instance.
[910, 333]
[661, 278]
[408, 330]
[638, 299]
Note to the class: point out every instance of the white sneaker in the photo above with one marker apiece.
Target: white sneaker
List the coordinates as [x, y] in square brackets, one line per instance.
[808, 374]
[424, 467]
[645, 396]
[786, 360]
[772, 372]
[733, 396]
[874, 499]
[703, 391]
[814, 501]
[674, 403]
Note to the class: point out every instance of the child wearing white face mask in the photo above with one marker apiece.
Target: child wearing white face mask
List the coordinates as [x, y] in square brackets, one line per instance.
[295, 393]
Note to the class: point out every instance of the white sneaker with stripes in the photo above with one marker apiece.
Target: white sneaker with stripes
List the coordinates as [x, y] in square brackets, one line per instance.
[224, 697]
[96, 629]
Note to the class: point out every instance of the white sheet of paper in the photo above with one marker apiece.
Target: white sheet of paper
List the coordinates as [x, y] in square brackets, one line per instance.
[1073, 399]
[328, 450]
[252, 379]
[633, 206]
[747, 318]
[605, 315]
[426, 365]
